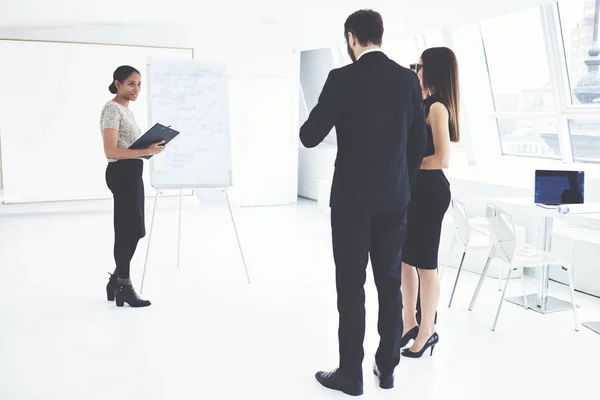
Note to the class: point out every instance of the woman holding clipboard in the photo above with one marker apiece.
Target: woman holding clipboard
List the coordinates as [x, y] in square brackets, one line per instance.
[124, 179]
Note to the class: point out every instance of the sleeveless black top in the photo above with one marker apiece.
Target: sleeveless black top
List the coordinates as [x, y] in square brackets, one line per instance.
[430, 149]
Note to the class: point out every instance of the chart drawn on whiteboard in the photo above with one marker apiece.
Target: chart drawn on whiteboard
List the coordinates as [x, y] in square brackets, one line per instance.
[193, 98]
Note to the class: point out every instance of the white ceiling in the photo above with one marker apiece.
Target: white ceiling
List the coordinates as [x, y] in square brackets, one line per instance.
[32, 12]
[212, 20]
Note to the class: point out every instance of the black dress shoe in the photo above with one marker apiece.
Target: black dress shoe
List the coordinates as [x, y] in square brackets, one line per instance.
[385, 381]
[334, 380]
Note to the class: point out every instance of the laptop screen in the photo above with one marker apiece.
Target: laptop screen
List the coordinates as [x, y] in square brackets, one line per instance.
[559, 187]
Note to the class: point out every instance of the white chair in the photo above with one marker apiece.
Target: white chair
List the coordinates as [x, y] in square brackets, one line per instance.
[518, 255]
[464, 230]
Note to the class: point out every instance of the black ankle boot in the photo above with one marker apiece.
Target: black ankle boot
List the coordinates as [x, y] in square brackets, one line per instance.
[111, 287]
[126, 294]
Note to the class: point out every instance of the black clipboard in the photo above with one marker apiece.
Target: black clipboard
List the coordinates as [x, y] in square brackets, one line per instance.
[155, 134]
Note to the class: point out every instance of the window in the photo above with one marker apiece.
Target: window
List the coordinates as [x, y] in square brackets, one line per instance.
[521, 84]
[577, 28]
[585, 140]
[543, 82]
[517, 62]
[530, 137]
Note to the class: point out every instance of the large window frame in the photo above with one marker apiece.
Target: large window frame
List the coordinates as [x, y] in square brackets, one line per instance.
[559, 75]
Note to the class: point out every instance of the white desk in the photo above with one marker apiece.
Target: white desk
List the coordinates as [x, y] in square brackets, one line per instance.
[545, 303]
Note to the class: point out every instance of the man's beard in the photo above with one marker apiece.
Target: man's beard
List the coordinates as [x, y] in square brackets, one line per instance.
[350, 52]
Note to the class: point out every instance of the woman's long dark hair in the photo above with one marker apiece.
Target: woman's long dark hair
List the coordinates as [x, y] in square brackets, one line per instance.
[440, 78]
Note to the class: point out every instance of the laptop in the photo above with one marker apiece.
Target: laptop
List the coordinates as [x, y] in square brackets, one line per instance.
[553, 188]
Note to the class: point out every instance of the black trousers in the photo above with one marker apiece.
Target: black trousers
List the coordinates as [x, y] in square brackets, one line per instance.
[124, 179]
[123, 252]
[355, 235]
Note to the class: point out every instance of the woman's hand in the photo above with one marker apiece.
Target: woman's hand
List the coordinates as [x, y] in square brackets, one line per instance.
[156, 148]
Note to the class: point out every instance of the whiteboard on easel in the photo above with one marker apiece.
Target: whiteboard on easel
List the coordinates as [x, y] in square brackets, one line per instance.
[191, 97]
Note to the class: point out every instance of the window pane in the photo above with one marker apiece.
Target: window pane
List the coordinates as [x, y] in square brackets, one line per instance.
[577, 23]
[585, 140]
[518, 62]
[531, 137]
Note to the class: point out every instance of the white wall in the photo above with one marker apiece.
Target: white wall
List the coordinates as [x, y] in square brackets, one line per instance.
[273, 163]
[140, 34]
[317, 163]
[256, 31]
[265, 158]
[265, 161]
[50, 116]
[314, 69]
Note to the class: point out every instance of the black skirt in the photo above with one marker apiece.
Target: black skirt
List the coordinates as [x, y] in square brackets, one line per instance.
[429, 201]
[124, 179]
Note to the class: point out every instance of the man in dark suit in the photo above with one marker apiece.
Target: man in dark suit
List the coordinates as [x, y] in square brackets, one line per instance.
[376, 108]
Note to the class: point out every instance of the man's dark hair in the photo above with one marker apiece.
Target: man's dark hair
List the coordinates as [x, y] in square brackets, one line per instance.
[366, 25]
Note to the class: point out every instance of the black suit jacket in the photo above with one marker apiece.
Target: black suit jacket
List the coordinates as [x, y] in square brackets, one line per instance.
[376, 107]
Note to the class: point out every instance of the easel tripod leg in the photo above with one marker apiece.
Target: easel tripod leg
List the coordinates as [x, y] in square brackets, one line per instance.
[149, 239]
[237, 236]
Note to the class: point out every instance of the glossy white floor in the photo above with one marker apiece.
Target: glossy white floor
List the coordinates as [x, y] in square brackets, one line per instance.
[210, 335]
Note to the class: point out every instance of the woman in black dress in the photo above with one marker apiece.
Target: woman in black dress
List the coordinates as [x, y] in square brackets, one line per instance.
[430, 197]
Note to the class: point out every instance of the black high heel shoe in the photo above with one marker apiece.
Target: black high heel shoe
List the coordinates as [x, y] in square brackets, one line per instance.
[127, 294]
[411, 334]
[111, 287]
[431, 342]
